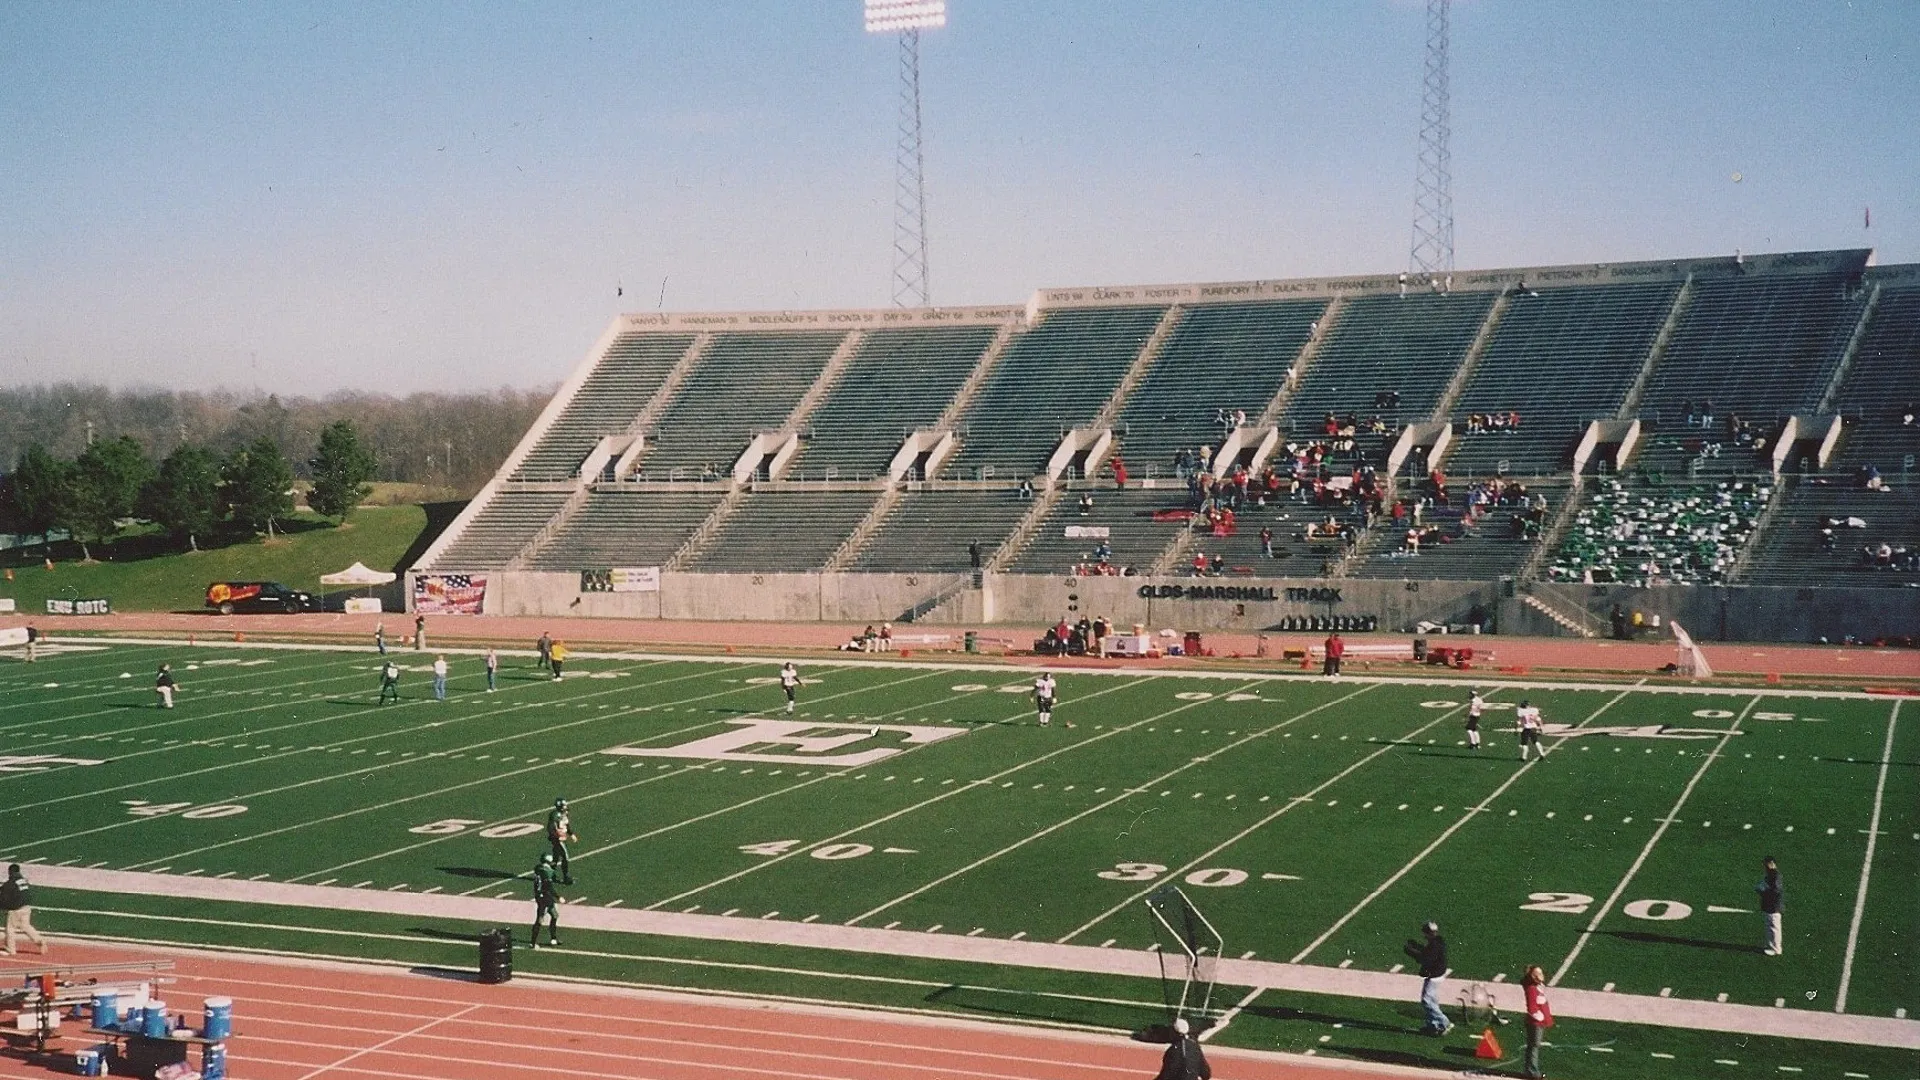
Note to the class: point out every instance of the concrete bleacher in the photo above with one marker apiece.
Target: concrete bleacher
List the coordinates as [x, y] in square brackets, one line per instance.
[1052, 378]
[1219, 356]
[897, 381]
[502, 527]
[1882, 384]
[1793, 552]
[1412, 344]
[634, 368]
[1759, 347]
[1485, 550]
[928, 531]
[1136, 538]
[746, 383]
[1294, 555]
[782, 531]
[1560, 359]
[625, 528]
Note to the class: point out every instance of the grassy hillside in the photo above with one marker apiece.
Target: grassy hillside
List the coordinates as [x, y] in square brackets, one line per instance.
[137, 576]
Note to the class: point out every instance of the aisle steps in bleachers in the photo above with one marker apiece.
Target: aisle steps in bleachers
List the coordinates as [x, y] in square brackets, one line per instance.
[930, 530]
[898, 381]
[632, 372]
[502, 527]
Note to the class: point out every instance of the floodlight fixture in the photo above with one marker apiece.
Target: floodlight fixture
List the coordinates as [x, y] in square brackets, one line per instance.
[890, 16]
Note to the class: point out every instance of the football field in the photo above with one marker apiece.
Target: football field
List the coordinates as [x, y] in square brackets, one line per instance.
[1314, 822]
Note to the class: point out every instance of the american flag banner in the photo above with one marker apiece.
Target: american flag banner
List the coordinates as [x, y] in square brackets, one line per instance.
[449, 594]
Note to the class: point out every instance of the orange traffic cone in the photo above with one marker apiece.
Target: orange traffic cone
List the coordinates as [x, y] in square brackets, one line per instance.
[1489, 1046]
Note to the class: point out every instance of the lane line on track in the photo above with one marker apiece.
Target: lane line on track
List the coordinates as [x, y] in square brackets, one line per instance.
[1473, 812]
[1866, 865]
[358, 1054]
[1666, 822]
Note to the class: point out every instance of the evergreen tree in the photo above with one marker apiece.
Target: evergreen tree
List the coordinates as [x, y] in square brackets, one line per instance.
[258, 486]
[38, 492]
[341, 471]
[184, 496]
[106, 482]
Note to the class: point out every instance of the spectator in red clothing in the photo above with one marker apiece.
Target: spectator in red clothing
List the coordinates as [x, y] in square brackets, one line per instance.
[1336, 649]
[1119, 472]
[1539, 1018]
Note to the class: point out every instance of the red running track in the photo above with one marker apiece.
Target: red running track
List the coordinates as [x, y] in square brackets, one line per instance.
[304, 1020]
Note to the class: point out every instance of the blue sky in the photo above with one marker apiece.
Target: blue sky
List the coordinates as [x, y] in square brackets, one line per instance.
[307, 197]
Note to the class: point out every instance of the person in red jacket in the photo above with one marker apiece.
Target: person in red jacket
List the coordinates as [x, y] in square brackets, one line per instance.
[1539, 1018]
[1336, 649]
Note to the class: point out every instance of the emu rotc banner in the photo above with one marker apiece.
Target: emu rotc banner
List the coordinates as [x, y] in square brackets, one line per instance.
[449, 594]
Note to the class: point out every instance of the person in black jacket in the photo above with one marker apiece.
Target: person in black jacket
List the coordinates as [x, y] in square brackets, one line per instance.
[16, 900]
[1183, 1059]
[1772, 903]
[1432, 956]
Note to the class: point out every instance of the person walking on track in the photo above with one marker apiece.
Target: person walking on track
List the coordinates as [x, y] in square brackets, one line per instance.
[559, 834]
[1539, 1019]
[164, 686]
[419, 633]
[16, 899]
[557, 658]
[1432, 956]
[380, 638]
[1184, 1060]
[546, 901]
[789, 683]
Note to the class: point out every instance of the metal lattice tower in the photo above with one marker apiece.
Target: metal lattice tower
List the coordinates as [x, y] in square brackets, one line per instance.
[1433, 186]
[909, 184]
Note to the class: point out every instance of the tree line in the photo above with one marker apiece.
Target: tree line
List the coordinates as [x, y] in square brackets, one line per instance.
[191, 494]
[452, 442]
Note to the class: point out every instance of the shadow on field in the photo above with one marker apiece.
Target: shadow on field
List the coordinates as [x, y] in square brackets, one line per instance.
[484, 872]
[442, 935]
[978, 1000]
[1288, 1013]
[1645, 938]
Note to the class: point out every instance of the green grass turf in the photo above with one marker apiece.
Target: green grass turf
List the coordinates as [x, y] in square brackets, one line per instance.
[1359, 799]
[137, 574]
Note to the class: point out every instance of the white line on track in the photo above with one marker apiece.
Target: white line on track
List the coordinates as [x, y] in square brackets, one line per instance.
[1471, 813]
[1866, 865]
[377, 1047]
[1096, 808]
[949, 793]
[1665, 822]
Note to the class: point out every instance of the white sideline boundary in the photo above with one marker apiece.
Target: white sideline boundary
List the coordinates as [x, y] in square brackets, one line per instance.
[1490, 678]
[1866, 865]
[1623, 1008]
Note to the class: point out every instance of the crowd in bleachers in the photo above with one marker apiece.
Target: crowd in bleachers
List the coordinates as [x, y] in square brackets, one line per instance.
[1684, 534]
[1432, 515]
[1480, 423]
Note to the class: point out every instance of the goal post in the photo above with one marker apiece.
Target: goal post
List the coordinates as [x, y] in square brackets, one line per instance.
[1688, 660]
[1189, 950]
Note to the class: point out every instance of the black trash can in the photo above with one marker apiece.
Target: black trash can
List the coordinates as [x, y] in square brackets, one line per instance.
[496, 955]
[1420, 650]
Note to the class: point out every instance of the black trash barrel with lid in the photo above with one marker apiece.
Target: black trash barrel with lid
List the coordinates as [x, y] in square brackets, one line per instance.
[496, 955]
[1420, 650]
[972, 642]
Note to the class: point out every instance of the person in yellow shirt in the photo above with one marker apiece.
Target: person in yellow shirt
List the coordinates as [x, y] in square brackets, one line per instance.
[557, 657]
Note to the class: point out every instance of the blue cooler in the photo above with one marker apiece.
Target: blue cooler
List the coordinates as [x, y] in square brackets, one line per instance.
[213, 1063]
[90, 1062]
[219, 1018]
[153, 1020]
[106, 1009]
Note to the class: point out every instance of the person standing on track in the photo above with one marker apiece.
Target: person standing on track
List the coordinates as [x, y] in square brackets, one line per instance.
[546, 901]
[164, 686]
[1432, 956]
[1475, 706]
[380, 637]
[439, 678]
[1527, 717]
[1184, 1059]
[1539, 1019]
[557, 658]
[1772, 904]
[493, 670]
[16, 899]
[1335, 649]
[419, 633]
[545, 645]
[1045, 697]
[790, 683]
[389, 682]
[559, 835]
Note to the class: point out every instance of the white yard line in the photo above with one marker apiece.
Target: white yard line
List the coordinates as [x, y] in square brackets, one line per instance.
[1866, 864]
[1665, 823]
[1097, 807]
[1444, 836]
[1248, 831]
[949, 793]
[1227, 1017]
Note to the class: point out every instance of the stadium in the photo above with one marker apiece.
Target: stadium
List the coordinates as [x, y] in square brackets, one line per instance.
[1431, 671]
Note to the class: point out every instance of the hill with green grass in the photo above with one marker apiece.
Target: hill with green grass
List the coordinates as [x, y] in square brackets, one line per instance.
[139, 572]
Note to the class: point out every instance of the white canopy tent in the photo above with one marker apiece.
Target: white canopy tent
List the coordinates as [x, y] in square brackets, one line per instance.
[358, 574]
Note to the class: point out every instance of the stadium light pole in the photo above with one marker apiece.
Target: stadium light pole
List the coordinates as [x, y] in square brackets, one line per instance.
[1433, 186]
[907, 18]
